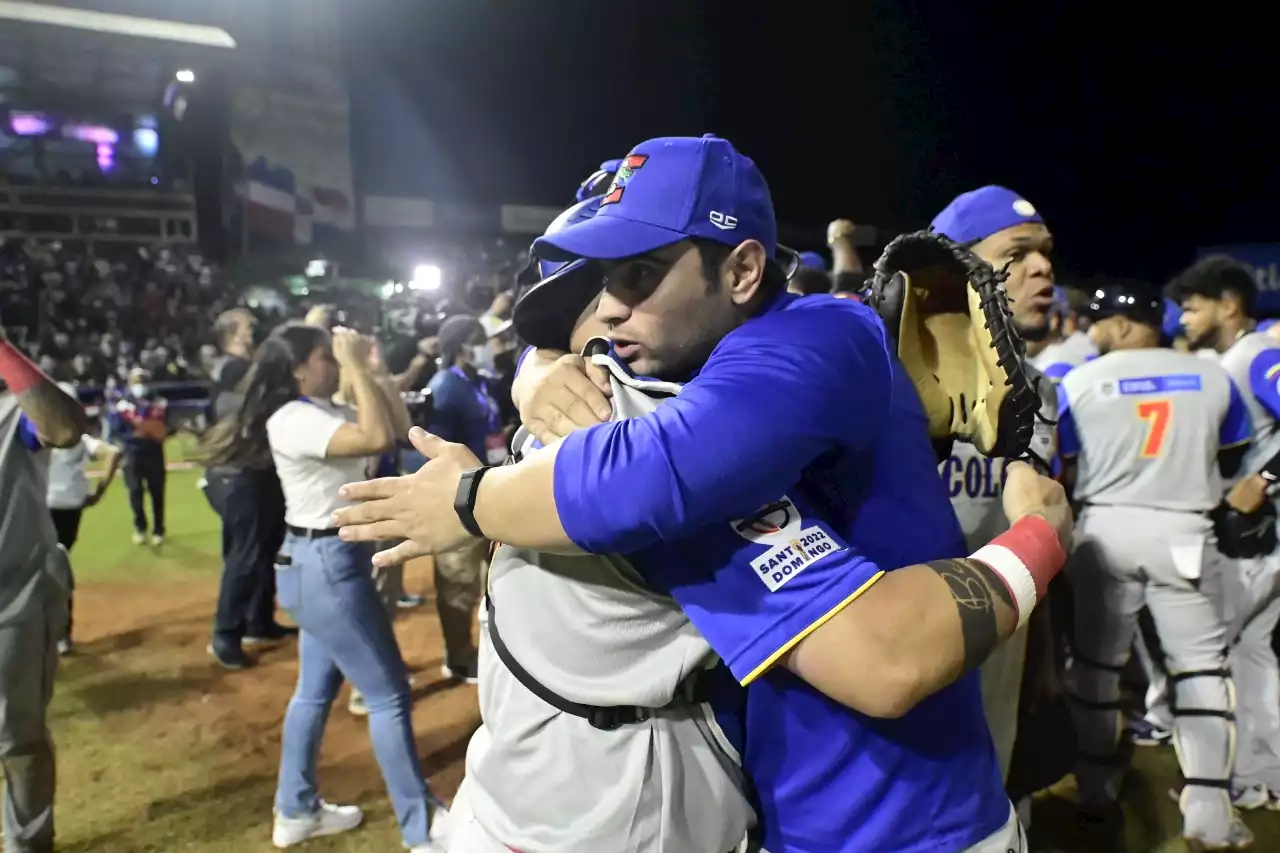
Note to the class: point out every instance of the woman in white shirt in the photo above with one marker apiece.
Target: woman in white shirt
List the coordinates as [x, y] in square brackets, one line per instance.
[324, 583]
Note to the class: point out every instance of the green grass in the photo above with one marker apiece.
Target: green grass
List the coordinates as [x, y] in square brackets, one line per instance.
[159, 751]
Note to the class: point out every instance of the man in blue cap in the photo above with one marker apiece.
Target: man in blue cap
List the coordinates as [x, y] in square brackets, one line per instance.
[1007, 231]
[798, 446]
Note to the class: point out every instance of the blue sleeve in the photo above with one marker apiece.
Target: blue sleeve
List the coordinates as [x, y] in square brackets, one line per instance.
[756, 587]
[1236, 424]
[1264, 380]
[1056, 371]
[778, 392]
[1068, 438]
[28, 435]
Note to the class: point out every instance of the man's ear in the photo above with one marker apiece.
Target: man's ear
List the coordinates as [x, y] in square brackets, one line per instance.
[743, 271]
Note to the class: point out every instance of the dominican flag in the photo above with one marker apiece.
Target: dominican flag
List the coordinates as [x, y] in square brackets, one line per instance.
[278, 208]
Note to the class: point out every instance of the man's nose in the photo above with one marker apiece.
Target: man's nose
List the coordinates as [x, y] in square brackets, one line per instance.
[611, 310]
[1038, 263]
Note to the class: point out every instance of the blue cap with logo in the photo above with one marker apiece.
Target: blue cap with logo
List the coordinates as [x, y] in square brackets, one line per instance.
[976, 215]
[667, 190]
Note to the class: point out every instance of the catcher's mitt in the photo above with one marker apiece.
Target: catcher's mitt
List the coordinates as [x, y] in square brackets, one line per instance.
[948, 310]
[1244, 535]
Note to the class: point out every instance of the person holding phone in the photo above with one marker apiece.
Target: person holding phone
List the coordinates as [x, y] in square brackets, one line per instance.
[325, 583]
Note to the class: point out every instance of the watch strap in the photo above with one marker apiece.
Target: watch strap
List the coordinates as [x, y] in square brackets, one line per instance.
[464, 500]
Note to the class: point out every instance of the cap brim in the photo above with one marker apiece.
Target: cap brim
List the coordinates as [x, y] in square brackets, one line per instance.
[605, 238]
[545, 315]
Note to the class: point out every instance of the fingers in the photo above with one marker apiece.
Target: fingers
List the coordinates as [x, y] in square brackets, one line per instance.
[369, 490]
[402, 553]
[377, 531]
[427, 444]
[581, 398]
[600, 378]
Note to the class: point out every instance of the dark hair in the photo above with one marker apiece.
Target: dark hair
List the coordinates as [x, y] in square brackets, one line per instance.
[714, 254]
[1214, 277]
[239, 440]
[807, 281]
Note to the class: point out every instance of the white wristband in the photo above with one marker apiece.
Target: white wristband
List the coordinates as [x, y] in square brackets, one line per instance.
[1017, 578]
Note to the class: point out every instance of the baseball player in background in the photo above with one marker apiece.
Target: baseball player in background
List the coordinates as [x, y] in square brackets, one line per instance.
[1217, 296]
[1007, 232]
[804, 487]
[1143, 432]
[35, 583]
[1068, 343]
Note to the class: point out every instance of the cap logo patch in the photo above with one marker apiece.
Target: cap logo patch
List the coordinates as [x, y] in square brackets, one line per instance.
[1022, 207]
[626, 169]
[723, 221]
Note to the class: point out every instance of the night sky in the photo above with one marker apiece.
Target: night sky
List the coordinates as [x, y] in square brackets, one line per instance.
[1139, 139]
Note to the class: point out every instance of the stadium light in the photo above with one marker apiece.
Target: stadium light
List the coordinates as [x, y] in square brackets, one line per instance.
[185, 75]
[425, 277]
[317, 268]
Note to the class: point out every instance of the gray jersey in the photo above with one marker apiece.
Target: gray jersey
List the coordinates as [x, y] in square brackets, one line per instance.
[589, 629]
[1147, 426]
[28, 542]
[1072, 351]
[1238, 361]
[976, 482]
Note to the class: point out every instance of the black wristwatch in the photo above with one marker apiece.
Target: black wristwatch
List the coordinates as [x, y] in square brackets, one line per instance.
[464, 501]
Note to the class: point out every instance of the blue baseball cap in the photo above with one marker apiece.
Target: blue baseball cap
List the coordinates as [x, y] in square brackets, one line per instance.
[599, 180]
[813, 260]
[669, 189]
[976, 215]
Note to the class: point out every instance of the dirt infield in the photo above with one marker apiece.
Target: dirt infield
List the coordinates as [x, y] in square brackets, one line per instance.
[160, 749]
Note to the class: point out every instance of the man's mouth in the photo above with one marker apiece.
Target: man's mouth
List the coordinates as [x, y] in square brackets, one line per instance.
[626, 350]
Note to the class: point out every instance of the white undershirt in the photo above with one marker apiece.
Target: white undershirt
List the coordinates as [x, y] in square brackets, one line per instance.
[68, 484]
[299, 434]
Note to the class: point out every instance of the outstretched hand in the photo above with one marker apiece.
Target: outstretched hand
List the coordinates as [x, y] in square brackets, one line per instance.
[417, 508]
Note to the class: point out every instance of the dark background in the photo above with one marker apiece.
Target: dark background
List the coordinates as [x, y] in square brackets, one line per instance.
[1139, 136]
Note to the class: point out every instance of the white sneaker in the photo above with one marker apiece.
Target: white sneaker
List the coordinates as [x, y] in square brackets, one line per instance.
[327, 820]
[139, 538]
[439, 833]
[1251, 797]
[429, 847]
[157, 541]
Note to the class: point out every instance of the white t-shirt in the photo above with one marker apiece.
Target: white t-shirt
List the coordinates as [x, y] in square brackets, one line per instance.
[299, 434]
[68, 485]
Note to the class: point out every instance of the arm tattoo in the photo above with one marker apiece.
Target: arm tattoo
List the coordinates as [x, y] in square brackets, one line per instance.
[58, 418]
[975, 588]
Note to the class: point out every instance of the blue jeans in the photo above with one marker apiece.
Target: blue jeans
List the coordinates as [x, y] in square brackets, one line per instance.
[328, 590]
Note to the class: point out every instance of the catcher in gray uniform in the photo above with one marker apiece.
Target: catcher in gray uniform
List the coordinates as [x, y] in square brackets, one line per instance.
[35, 584]
[673, 783]
[1144, 432]
[1217, 297]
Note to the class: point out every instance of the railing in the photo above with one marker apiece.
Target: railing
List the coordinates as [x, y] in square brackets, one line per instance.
[97, 213]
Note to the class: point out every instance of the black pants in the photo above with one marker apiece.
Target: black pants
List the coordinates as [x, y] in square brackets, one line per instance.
[251, 506]
[67, 523]
[144, 469]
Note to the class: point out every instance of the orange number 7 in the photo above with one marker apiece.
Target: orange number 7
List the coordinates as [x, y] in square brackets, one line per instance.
[1156, 413]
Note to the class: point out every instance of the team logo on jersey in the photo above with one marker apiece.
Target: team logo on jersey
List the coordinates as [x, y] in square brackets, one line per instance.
[792, 547]
[630, 164]
[772, 524]
[1107, 389]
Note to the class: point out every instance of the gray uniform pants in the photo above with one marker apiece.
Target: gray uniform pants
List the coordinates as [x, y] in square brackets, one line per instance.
[1251, 607]
[1126, 557]
[28, 664]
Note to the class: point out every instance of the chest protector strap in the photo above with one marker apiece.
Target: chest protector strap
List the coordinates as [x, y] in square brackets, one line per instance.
[695, 690]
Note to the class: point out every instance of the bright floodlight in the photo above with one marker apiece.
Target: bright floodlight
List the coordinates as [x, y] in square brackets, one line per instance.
[317, 268]
[425, 277]
[186, 75]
